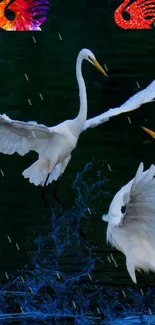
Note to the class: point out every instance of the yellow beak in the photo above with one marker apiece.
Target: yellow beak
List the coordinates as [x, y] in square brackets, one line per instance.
[98, 66]
[149, 131]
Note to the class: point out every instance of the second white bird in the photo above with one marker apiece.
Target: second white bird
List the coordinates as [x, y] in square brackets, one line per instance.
[131, 221]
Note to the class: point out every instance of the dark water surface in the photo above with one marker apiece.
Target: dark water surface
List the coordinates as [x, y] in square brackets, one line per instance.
[50, 66]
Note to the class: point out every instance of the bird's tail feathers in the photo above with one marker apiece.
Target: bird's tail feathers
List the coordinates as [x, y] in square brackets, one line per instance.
[35, 173]
[38, 171]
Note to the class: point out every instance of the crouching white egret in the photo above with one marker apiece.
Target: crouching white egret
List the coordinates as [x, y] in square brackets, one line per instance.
[131, 221]
[53, 144]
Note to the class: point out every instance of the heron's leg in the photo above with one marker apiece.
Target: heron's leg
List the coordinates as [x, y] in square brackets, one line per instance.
[43, 194]
[63, 167]
[81, 233]
[55, 196]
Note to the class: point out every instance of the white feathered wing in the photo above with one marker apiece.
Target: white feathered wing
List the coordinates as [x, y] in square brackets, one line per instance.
[21, 137]
[134, 234]
[143, 96]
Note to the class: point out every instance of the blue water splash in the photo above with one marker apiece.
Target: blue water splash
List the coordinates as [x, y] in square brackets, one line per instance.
[53, 291]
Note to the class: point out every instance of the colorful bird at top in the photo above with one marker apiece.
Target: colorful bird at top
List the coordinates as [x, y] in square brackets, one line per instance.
[142, 14]
[21, 15]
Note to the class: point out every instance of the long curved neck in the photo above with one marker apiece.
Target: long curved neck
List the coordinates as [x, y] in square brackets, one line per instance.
[82, 116]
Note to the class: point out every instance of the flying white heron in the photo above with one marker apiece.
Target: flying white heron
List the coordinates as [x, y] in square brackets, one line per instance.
[131, 221]
[53, 144]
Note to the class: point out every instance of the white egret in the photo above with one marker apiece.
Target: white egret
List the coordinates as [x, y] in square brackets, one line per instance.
[131, 221]
[53, 144]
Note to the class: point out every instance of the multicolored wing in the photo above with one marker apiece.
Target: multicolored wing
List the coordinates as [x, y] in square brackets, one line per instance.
[28, 14]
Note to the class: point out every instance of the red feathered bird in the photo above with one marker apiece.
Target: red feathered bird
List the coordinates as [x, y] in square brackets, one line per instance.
[142, 14]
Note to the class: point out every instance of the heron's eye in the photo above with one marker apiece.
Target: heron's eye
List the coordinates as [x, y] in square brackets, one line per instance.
[123, 209]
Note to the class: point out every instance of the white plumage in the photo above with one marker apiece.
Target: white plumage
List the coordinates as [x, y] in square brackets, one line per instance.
[143, 96]
[133, 232]
[53, 144]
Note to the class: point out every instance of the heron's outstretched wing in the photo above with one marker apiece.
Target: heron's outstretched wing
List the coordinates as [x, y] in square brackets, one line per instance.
[21, 137]
[140, 209]
[144, 96]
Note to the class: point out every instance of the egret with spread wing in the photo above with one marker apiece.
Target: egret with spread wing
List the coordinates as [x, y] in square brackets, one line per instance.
[131, 221]
[53, 144]
[142, 97]
[50, 142]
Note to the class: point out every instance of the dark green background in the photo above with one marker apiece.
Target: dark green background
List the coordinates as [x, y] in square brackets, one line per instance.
[50, 66]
